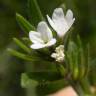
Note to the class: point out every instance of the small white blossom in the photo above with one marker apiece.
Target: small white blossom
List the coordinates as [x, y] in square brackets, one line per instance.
[59, 55]
[61, 23]
[42, 38]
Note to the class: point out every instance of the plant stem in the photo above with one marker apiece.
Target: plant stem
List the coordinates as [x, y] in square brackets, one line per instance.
[79, 90]
[86, 86]
[82, 87]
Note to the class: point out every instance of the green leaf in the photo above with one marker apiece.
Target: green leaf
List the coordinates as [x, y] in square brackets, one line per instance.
[24, 24]
[87, 60]
[22, 45]
[72, 55]
[44, 76]
[61, 70]
[27, 82]
[46, 88]
[83, 60]
[19, 55]
[35, 13]
[82, 63]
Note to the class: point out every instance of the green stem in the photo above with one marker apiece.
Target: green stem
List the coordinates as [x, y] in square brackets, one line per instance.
[82, 87]
[86, 86]
[79, 90]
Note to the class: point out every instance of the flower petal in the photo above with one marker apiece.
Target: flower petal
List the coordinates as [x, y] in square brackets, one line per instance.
[37, 46]
[71, 22]
[51, 23]
[58, 13]
[53, 55]
[44, 31]
[60, 22]
[69, 17]
[51, 42]
[35, 37]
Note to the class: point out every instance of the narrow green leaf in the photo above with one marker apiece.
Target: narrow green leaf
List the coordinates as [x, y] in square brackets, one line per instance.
[79, 41]
[82, 59]
[22, 45]
[72, 55]
[61, 70]
[19, 55]
[44, 75]
[69, 56]
[24, 24]
[75, 65]
[82, 66]
[88, 63]
[46, 88]
[35, 13]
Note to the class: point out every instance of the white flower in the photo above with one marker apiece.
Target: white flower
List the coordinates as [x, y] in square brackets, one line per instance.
[61, 23]
[59, 55]
[42, 38]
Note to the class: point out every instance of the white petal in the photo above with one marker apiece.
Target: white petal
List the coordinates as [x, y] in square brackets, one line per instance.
[71, 22]
[69, 18]
[35, 37]
[51, 42]
[53, 55]
[37, 46]
[44, 31]
[58, 13]
[69, 15]
[60, 22]
[51, 23]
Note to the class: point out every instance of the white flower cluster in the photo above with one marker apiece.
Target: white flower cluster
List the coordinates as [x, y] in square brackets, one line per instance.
[59, 55]
[43, 37]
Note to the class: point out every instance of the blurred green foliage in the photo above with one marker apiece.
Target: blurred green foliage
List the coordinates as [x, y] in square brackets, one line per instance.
[11, 67]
